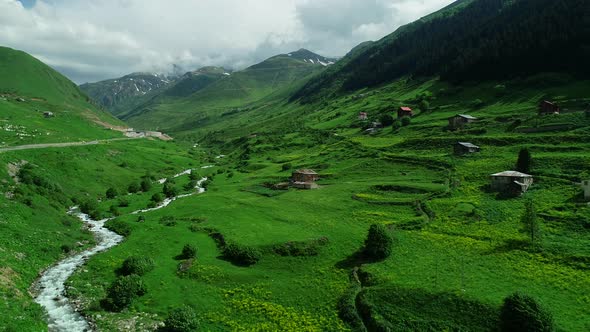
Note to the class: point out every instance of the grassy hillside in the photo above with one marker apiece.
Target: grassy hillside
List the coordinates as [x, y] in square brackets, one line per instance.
[28, 89]
[458, 246]
[272, 259]
[231, 93]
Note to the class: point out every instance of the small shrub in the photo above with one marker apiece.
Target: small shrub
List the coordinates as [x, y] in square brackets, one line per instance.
[183, 319]
[194, 176]
[522, 313]
[123, 291]
[88, 205]
[157, 198]
[170, 190]
[286, 167]
[138, 265]
[123, 202]
[145, 185]
[168, 221]
[111, 193]
[66, 248]
[241, 254]
[114, 211]
[189, 251]
[118, 226]
[141, 219]
[190, 185]
[379, 243]
[386, 120]
[134, 188]
[406, 121]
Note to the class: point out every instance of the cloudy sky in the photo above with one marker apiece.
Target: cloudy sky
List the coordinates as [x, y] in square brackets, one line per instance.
[91, 40]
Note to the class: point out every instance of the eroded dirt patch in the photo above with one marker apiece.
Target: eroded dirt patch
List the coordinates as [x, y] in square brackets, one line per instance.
[8, 280]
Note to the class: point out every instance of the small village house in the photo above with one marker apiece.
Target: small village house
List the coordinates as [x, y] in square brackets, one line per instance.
[48, 114]
[463, 148]
[363, 116]
[460, 120]
[404, 111]
[547, 107]
[304, 179]
[586, 186]
[511, 182]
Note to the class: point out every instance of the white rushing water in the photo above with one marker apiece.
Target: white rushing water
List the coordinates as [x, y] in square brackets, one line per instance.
[62, 317]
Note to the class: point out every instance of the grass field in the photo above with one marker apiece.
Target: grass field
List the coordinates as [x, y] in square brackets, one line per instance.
[456, 244]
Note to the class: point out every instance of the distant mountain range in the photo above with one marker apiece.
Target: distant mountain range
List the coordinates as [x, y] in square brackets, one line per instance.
[121, 95]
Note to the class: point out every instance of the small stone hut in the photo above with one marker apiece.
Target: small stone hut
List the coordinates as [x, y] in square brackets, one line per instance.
[463, 148]
[460, 120]
[546, 107]
[511, 182]
[48, 114]
[304, 179]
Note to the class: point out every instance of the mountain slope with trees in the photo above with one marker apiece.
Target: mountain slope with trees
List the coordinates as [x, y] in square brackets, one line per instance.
[476, 40]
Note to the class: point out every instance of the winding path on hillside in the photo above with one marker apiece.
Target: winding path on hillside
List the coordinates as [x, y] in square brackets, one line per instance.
[62, 316]
[61, 145]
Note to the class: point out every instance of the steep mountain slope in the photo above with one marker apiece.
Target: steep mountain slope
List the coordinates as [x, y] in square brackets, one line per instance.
[114, 93]
[37, 104]
[175, 111]
[481, 39]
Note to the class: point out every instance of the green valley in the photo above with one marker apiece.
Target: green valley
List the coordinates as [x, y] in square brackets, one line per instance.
[412, 226]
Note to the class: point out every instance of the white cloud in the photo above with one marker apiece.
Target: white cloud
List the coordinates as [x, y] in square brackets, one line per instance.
[90, 40]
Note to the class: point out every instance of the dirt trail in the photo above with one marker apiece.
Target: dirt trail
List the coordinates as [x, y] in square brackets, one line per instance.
[60, 145]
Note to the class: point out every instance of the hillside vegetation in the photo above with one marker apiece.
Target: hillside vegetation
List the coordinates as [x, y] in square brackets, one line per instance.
[472, 40]
[176, 110]
[403, 234]
[28, 89]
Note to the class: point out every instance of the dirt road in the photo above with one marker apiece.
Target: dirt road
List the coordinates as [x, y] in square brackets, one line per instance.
[59, 145]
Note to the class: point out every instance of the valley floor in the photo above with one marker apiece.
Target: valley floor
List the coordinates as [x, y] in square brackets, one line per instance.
[458, 247]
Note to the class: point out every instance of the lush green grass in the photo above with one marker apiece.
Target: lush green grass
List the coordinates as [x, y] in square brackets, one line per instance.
[456, 243]
[452, 235]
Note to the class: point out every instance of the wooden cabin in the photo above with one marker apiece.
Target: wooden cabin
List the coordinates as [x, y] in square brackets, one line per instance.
[463, 148]
[511, 182]
[304, 179]
[460, 120]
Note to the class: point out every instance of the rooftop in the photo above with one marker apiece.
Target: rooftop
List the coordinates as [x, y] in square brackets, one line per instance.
[405, 109]
[468, 145]
[513, 174]
[467, 116]
[305, 171]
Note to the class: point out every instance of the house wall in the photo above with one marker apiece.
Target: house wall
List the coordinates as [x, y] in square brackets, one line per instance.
[456, 122]
[548, 109]
[297, 177]
[504, 183]
[586, 187]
